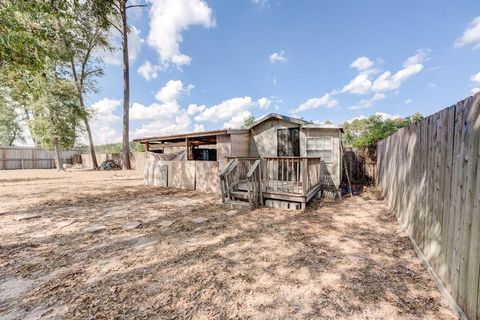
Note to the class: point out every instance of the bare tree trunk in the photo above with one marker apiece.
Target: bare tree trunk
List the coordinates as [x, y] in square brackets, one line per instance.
[92, 145]
[58, 159]
[126, 87]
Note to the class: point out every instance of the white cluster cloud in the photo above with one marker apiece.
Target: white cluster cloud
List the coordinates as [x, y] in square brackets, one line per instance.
[471, 35]
[195, 108]
[237, 120]
[168, 19]
[278, 57]
[362, 63]
[366, 83]
[104, 120]
[172, 91]
[135, 42]
[174, 123]
[368, 103]
[361, 84]
[476, 83]
[387, 81]
[232, 111]
[413, 65]
[154, 111]
[148, 71]
[264, 103]
[325, 101]
[225, 110]
[165, 116]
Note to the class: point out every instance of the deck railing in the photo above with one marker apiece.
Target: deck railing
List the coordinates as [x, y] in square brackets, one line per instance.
[294, 175]
[254, 184]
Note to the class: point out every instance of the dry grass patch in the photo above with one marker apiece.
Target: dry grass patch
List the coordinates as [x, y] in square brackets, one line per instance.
[188, 259]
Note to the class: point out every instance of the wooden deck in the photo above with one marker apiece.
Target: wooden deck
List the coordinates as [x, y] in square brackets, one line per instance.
[292, 179]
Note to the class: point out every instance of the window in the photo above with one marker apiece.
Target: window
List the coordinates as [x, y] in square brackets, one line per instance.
[321, 147]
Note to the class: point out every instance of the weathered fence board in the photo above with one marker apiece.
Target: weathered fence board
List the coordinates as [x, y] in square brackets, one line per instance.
[360, 164]
[31, 158]
[137, 159]
[429, 174]
[190, 175]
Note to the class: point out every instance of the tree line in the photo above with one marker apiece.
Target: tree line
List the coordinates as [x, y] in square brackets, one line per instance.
[366, 132]
[49, 66]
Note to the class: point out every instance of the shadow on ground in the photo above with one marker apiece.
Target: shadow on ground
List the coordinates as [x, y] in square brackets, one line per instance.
[190, 260]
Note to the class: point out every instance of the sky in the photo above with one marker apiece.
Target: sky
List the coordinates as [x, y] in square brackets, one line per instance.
[209, 64]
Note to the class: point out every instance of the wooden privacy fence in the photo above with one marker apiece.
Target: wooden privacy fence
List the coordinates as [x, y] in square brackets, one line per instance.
[190, 175]
[137, 159]
[361, 164]
[429, 173]
[32, 158]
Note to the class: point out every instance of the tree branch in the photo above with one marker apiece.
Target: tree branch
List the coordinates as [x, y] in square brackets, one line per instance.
[136, 6]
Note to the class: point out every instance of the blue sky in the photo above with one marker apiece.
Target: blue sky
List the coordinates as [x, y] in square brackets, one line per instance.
[207, 64]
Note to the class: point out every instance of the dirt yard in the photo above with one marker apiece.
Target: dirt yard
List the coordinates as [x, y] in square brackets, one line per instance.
[84, 245]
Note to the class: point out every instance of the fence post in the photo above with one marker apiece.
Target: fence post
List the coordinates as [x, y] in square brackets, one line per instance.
[4, 157]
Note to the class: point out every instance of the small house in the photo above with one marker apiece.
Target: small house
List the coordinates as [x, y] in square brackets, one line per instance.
[279, 160]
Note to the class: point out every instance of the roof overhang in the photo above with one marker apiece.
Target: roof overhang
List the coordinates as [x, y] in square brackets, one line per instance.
[279, 117]
[205, 136]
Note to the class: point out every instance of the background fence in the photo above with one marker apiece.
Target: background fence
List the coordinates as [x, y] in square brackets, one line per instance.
[361, 165]
[31, 158]
[429, 173]
[137, 159]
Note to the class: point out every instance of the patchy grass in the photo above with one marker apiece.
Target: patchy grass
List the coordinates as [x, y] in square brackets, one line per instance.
[190, 260]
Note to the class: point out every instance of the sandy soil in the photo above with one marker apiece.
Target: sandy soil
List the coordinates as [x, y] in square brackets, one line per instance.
[82, 245]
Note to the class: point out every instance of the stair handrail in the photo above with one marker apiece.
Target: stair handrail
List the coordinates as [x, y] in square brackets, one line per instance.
[254, 178]
[228, 168]
[226, 184]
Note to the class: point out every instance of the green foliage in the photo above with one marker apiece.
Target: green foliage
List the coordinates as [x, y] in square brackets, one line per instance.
[111, 148]
[57, 113]
[47, 65]
[361, 133]
[10, 128]
[417, 116]
[27, 31]
[248, 122]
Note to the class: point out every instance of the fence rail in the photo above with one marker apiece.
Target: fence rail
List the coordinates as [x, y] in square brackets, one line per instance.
[31, 158]
[429, 173]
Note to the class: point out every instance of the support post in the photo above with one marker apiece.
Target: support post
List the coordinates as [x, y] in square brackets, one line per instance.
[304, 176]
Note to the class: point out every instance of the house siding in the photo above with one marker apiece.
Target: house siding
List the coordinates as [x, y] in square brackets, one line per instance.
[332, 171]
[264, 137]
[264, 144]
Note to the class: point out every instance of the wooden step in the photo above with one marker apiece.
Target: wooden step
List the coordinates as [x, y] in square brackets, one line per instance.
[239, 194]
[234, 204]
[242, 185]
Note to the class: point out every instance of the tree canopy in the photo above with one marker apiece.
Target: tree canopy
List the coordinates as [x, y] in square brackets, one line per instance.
[366, 132]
